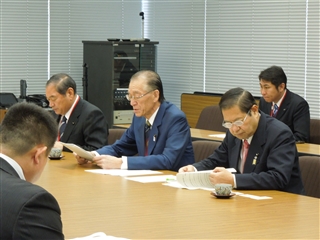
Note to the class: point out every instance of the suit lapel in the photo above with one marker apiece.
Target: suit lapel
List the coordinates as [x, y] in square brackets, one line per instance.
[235, 153]
[72, 121]
[256, 146]
[154, 134]
[284, 105]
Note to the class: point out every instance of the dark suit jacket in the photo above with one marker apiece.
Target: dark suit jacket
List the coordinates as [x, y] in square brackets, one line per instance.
[276, 166]
[27, 211]
[87, 127]
[170, 145]
[293, 111]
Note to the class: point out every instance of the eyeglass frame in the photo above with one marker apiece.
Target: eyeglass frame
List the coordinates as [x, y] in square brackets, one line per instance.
[237, 123]
[136, 98]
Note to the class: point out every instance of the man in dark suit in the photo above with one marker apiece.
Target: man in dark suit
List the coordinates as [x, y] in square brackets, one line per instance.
[80, 122]
[27, 211]
[164, 144]
[261, 149]
[282, 104]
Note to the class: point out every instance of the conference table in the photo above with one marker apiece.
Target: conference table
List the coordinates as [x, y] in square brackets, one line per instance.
[120, 207]
[202, 134]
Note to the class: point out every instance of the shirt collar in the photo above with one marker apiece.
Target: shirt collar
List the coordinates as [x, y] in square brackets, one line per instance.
[151, 119]
[68, 114]
[248, 140]
[281, 99]
[13, 164]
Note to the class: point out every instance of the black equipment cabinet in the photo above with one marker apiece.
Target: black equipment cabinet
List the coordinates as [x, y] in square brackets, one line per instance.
[107, 69]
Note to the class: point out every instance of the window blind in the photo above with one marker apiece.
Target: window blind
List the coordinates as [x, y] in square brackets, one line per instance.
[23, 45]
[72, 22]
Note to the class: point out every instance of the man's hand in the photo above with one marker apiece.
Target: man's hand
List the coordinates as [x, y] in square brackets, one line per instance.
[108, 162]
[82, 160]
[188, 168]
[221, 175]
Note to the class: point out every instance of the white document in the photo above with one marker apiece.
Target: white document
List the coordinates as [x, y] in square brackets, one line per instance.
[78, 150]
[123, 173]
[99, 236]
[198, 179]
[150, 179]
[223, 135]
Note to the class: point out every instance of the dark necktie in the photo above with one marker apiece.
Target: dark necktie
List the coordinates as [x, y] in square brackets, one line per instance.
[62, 126]
[275, 110]
[245, 149]
[147, 127]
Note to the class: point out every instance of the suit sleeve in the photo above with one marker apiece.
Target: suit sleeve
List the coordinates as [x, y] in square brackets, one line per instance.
[219, 158]
[39, 218]
[95, 131]
[301, 122]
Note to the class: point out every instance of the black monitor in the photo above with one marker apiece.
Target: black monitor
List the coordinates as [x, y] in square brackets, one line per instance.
[7, 100]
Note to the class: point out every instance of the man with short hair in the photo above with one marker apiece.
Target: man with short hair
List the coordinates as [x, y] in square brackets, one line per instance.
[159, 136]
[80, 122]
[282, 104]
[261, 149]
[27, 211]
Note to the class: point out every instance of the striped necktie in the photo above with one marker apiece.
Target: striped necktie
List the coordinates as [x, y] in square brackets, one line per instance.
[62, 126]
[147, 127]
[275, 110]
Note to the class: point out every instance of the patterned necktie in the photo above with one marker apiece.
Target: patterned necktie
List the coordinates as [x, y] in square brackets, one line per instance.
[147, 127]
[62, 126]
[275, 110]
[245, 149]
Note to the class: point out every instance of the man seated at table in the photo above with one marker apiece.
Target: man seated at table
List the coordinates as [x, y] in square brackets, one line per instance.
[159, 136]
[80, 122]
[282, 104]
[27, 211]
[261, 149]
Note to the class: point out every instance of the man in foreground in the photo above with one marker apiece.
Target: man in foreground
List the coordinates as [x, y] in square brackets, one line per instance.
[27, 211]
[159, 136]
[261, 149]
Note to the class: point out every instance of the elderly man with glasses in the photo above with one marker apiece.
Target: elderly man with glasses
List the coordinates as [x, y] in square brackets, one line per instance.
[261, 149]
[159, 136]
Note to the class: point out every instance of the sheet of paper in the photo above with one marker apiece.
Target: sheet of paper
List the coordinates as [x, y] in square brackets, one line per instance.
[78, 150]
[223, 135]
[123, 173]
[198, 179]
[252, 196]
[150, 179]
[99, 236]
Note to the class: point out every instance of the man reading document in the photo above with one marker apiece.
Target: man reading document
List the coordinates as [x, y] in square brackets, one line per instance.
[261, 149]
[159, 136]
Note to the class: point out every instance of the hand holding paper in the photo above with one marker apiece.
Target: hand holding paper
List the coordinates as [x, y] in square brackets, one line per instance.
[78, 150]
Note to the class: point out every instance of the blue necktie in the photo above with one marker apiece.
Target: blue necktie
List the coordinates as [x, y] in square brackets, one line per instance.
[62, 126]
[275, 110]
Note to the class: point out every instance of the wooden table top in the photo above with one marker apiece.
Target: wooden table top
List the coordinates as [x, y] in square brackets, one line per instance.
[201, 134]
[118, 207]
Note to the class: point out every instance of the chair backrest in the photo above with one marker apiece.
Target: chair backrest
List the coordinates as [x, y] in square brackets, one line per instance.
[310, 173]
[204, 148]
[211, 119]
[115, 134]
[314, 131]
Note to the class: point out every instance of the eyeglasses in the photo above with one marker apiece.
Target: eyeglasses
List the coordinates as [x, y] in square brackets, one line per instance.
[237, 123]
[129, 98]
